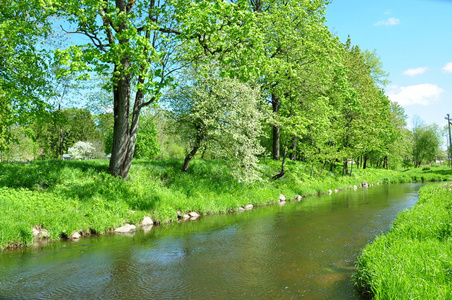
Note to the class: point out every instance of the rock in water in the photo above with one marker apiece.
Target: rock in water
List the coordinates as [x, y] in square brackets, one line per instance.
[193, 214]
[249, 207]
[282, 198]
[126, 229]
[297, 198]
[75, 235]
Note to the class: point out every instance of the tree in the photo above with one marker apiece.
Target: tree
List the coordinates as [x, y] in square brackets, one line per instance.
[377, 73]
[57, 130]
[142, 43]
[222, 114]
[22, 145]
[296, 41]
[23, 69]
[426, 142]
[362, 111]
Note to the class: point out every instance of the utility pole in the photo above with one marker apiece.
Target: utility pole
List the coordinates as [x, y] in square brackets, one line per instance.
[450, 143]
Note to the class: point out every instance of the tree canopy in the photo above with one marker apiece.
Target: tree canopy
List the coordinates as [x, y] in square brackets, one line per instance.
[239, 79]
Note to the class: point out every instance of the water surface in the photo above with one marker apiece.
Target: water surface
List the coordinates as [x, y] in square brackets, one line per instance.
[302, 249]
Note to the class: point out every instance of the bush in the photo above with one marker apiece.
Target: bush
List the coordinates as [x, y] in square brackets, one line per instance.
[81, 150]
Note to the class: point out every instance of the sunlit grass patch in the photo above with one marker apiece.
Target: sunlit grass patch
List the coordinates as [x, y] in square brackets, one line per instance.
[414, 259]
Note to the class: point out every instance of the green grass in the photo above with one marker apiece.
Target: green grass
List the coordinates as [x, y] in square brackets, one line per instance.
[414, 259]
[63, 196]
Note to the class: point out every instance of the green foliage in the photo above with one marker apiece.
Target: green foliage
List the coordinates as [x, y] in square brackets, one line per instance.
[147, 144]
[59, 130]
[22, 145]
[326, 96]
[426, 142]
[414, 259]
[23, 63]
[141, 44]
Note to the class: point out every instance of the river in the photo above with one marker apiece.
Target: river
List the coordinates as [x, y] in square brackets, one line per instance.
[302, 249]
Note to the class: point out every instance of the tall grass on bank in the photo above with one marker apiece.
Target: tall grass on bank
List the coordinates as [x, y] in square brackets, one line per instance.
[414, 259]
[67, 196]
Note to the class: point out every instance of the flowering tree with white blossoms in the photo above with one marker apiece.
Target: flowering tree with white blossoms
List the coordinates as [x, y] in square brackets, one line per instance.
[224, 115]
[81, 150]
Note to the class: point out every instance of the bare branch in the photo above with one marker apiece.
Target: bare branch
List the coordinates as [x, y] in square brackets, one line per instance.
[96, 41]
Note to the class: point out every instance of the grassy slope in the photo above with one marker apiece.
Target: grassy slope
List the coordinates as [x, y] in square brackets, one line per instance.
[63, 196]
[414, 259]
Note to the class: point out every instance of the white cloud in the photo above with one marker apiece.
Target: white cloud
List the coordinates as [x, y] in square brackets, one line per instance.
[389, 22]
[448, 68]
[423, 94]
[416, 71]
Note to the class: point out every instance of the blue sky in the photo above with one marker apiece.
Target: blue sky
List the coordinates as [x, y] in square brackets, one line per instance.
[413, 39]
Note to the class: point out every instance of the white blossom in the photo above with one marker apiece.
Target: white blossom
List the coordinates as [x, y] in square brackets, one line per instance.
[81, 150]
[226, 115]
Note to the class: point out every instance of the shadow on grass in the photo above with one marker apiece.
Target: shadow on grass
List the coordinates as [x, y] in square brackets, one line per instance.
[438, 172]
[44, 174]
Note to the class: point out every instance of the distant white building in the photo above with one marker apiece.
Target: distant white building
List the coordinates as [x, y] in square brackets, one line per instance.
[66, 156]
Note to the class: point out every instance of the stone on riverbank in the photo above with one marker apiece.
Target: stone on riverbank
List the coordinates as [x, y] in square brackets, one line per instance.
[126, 229]
[364, 184]
[147, 221]
[75, 235]
[193, 214]
[240, 209]
[282, 198]
[40, 233]
[297, 198]
[249, 207]
[330, 192]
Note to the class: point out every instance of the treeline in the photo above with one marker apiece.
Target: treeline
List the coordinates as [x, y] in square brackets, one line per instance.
[238, 80]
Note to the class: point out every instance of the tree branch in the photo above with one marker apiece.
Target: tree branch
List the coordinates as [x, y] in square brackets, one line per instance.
[96, 41]
[129, 5]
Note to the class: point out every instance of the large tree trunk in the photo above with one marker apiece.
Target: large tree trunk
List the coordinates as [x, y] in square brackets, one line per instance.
[365, 162]
[276, 134]
[121, 134]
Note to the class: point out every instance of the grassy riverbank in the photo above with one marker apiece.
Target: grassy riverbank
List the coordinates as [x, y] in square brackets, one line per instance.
[414, 259]
[67, 196]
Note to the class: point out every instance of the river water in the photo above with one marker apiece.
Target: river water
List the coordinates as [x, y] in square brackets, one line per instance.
[303, 250]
